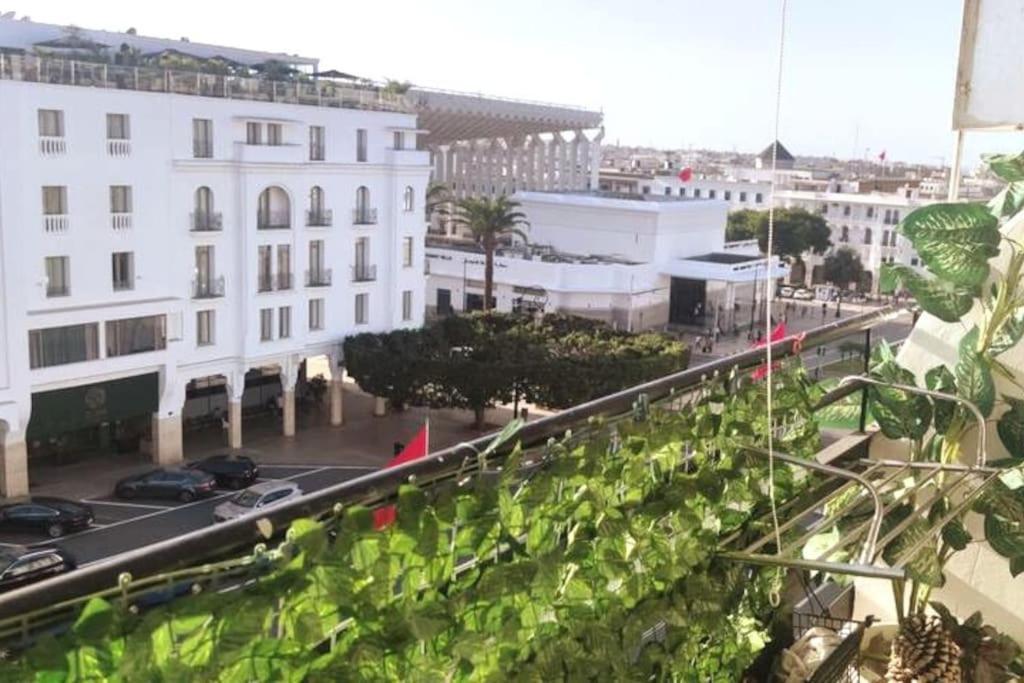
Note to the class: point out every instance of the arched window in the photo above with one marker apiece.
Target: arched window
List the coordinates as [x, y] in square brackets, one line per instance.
[408, 199]
[203, 217]
[318, 214]
[363, 213]
[867, 235]
[316, 199]
[274, 209]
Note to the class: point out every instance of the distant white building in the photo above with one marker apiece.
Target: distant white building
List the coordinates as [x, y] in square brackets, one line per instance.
[636, 261]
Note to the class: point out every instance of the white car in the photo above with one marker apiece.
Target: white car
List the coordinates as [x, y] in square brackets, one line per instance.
[786, 291]
[256, 498]
[803, 294]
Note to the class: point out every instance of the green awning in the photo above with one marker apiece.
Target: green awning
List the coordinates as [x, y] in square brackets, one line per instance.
[65, 410]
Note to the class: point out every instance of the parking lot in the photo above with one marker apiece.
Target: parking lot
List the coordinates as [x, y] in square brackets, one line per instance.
[122, 525]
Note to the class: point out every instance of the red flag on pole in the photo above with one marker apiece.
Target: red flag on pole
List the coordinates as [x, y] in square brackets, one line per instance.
[778, 334]
[686, 175]
[417, 448]
[881, 157]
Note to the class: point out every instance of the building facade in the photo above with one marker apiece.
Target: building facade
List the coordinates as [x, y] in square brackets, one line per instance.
[162, 231]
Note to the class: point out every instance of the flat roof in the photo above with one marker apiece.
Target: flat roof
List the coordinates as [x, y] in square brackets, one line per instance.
[729, 259]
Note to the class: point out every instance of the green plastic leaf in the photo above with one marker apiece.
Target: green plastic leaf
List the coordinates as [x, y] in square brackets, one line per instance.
[1007, 538]
[943, 299]
[899, 414]
[1009, 335]
[941, 379]
[95, 621]
[1008, 167]
[956, 535]
[308, 535]
[955, 241]
[974, 376]
[924, 566]
[1009, 200]
[1011, 427]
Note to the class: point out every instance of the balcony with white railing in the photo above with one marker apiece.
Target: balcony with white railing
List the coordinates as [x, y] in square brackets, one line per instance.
[364, 216]
[55, 222]
[319, 218]
[362, 272]
[318, 277]
[273, 220]
[52, 145]
[119, 148]
[121, 221]
[206, 221]
[299, 90]
[208, 287]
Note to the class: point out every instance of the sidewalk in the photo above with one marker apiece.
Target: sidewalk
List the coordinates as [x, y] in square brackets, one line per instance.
[363, 440]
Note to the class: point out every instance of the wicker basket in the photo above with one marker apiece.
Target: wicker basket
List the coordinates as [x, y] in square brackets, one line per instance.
[843, 664]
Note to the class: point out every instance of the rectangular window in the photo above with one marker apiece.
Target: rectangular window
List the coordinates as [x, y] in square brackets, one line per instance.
[316, 143]
[647, 189]
[266, 324]
[205, 327]
[136, 335]
[728, 195]
[120, 199]
[682, 191]
[407, 252]
[253, 133]
[846, 209]
[284, 266]
[668, 190]
[399, 140]
[202, 138]
[696, 192]
[407, 305]
[51, 123]
[274, 134]
[871, 212]
[824, 209]
[885, 238]
[284, 322]
[265, 267]
[123, 270]
[362, 306]
[58, 276]
[62, 345]
[743, 196]
[55, 200]
[361, 144]
[118, 127]
[758, 198]
[316, 314]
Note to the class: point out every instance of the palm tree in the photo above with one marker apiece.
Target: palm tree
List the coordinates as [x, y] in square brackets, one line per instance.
[841, 268]
[489, 220]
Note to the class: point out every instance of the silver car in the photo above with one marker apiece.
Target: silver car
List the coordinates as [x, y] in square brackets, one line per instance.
[256, 498]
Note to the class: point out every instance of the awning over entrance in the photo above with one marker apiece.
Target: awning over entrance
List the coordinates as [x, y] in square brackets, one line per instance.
[65, 410]
[724, 267]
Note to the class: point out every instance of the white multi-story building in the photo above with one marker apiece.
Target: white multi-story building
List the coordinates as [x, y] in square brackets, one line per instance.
[159, 227]
[636, 261]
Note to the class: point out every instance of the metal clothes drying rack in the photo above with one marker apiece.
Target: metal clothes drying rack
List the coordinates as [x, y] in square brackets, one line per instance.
[859, 551]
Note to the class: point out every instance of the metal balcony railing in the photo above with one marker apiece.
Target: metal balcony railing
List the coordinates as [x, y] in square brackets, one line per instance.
[40, 607]
[316, 152]
[274, 220]
[265, 282]
[120, 221]
[57, 290]
[318, 277]
[364, 216]
[283, 281]
[119, 148]
[202, 149]
[364, 273]
[319, 218]
[208, 287]
[55, 222]
[206, 221]
[52, 145]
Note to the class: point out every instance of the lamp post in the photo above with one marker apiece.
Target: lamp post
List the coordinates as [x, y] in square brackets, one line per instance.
[753, 304]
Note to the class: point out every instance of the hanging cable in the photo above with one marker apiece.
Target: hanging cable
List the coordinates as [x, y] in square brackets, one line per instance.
[769, 291]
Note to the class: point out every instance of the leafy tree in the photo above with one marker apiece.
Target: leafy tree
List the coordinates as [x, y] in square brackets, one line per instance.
[743, 225]
[489, 221]
[841, 268]
[797, 231]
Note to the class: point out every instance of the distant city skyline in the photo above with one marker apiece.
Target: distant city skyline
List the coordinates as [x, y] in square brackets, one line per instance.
[859, 77]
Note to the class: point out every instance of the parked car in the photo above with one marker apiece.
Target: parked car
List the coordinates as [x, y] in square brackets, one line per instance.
[20, 566]
[184, 485]
[256, 498]
[231, 471]
[52, 516]
[803, 294]
[786, 291]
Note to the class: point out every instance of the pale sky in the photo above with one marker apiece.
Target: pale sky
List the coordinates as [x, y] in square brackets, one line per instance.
[859, 77]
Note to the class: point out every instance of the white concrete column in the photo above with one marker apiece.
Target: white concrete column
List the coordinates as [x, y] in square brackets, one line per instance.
[289, 375]
[380, 406]
[166, 422]
[235, 390]
[14, 466]
[595, 159]
[337, 401]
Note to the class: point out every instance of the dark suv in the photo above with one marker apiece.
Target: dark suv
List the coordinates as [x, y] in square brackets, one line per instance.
[52, 516]
[231, 471]
[20, 566]
[184, 485]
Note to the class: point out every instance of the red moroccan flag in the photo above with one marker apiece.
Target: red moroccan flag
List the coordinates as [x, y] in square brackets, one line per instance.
[414, 450]
[778, 334]
[686, 175]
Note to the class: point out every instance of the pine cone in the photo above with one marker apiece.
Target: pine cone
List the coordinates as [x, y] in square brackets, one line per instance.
[923, 652]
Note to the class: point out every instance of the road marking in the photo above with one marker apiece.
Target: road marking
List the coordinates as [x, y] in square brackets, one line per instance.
[93, 501]
[161, 511]
[317, 467]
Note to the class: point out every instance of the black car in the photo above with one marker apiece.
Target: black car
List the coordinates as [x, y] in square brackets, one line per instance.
[184, 485]
[20, 566]
[52, 516]
[231, 471]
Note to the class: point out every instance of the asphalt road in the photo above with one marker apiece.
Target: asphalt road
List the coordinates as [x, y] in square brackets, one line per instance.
[122, 525]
